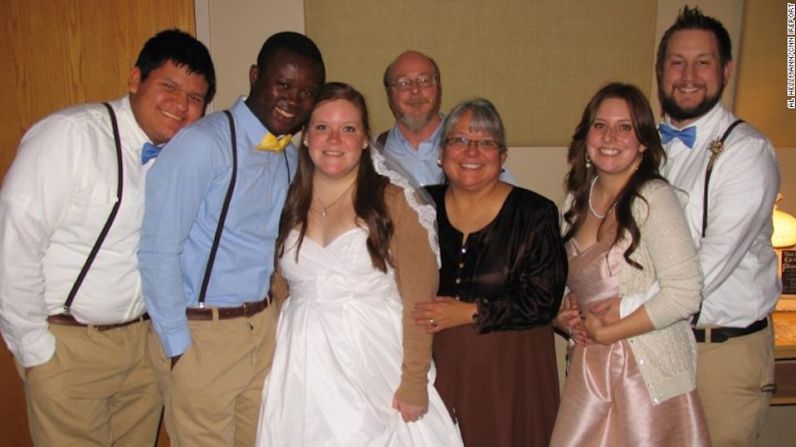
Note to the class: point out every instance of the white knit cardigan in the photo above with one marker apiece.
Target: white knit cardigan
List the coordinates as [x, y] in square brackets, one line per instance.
[667, 355]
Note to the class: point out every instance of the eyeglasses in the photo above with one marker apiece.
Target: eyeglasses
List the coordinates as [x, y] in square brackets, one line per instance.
[422, 82]
[464, 142]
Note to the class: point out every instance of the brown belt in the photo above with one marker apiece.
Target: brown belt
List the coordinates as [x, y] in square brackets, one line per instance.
[246, 310]
[69, 320]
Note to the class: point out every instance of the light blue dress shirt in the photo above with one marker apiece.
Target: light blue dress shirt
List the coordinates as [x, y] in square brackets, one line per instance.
[421, 163]
[184, 196]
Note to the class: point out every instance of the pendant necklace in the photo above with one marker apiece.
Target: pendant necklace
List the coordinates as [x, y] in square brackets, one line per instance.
[325, 208]
[591, 207]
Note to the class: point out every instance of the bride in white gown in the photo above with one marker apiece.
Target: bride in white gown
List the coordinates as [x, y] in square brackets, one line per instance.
[357, 251]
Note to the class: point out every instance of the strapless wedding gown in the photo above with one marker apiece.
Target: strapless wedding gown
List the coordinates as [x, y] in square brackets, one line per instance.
[338, 356]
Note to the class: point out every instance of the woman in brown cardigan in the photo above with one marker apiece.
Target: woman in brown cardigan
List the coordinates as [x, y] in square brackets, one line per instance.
[349, 367]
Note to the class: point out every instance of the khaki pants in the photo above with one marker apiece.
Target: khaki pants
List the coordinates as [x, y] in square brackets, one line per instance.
[734, 381]
[98, 389]
[213, 394]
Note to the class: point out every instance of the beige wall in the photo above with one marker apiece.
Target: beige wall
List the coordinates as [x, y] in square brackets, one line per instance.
[235, 35]
[235, 31]
[761, 71]
[787, 166]
[539, 61]
[760, 96]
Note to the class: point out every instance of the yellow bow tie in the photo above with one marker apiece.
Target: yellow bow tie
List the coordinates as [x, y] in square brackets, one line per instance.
[273, 144]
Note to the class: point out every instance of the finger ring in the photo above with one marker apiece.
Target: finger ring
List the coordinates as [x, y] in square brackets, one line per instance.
[432, 322]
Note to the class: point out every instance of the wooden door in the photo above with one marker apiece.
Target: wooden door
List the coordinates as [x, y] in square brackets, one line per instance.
[55, 53]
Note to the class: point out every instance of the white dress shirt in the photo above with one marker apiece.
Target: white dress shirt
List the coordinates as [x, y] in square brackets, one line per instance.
[55, 199]
[740, 266]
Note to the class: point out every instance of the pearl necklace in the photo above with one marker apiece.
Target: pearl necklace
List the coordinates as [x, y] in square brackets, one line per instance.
[591, 207]
[325, 209]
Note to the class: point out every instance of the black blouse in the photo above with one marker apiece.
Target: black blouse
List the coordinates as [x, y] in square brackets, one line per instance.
[515, 268]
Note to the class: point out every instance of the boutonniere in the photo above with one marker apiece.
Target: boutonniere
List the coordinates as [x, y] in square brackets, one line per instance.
[716, 147]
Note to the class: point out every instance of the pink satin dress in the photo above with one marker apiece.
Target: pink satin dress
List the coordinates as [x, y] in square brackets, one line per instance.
[605, 400]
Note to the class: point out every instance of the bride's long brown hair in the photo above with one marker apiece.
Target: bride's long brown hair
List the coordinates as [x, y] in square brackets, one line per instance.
[369, 205]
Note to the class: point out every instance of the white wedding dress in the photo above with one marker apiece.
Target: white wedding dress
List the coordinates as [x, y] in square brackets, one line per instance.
[338, 356]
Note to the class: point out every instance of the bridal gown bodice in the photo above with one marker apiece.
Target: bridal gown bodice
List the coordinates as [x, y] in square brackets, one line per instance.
[338, 355]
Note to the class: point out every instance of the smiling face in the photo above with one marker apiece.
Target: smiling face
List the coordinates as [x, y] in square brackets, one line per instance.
[416, 107]
[335, 137]
[471, 166]
[692, 79]
[283, 92]
[611, 142]
[169, 99]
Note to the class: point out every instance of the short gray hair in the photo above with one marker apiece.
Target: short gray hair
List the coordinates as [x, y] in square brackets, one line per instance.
[485, 118]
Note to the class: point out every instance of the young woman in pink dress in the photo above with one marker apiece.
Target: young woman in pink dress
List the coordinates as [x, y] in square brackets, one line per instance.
[632, 375]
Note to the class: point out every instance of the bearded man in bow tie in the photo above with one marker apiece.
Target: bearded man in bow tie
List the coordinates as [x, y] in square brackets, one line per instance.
[71, 208]
[214, 199]
[729, 177]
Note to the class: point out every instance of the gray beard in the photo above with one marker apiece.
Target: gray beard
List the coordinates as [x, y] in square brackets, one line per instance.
[415, 124]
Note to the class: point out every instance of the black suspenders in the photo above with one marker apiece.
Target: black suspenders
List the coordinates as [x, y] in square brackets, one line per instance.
[716, 148]
[104, 232]
[223, 217]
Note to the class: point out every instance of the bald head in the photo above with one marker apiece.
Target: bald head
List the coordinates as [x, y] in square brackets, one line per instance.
[409, 58]
[414, 93]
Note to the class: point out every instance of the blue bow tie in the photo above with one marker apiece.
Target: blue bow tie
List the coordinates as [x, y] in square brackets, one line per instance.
[148, 152]
[687, 135]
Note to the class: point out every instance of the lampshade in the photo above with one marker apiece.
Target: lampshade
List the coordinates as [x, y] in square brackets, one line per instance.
[784, 229]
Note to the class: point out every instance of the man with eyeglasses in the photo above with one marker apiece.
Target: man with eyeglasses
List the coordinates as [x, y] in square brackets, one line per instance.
[414, 93]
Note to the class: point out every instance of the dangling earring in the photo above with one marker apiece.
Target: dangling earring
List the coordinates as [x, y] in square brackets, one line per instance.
[439, 162]
[588, 162]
